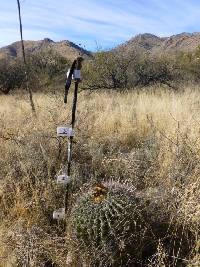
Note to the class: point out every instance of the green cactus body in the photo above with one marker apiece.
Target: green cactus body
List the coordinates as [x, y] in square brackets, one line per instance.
[106, 217]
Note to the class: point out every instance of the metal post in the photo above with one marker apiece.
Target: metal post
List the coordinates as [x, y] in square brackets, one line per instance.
[69, 132]
[70, 140]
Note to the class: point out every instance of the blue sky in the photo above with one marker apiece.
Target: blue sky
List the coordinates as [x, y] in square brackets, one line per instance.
[93, 23]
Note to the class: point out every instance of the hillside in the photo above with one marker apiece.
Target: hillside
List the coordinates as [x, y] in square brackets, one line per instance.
[66, 49]
[184, 42]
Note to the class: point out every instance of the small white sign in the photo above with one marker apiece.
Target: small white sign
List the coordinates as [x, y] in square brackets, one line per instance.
[59, 214]
[65, 131]
[77, 74]
[63, 179]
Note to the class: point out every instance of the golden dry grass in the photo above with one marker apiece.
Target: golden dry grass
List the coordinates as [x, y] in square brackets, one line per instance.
[150, 139]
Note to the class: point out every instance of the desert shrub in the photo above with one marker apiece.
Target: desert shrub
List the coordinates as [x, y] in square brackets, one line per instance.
[151, 70]
[46, 67]
[189, 63]
[12, 75]
[108, 70]
[43, 69]
[114, 70]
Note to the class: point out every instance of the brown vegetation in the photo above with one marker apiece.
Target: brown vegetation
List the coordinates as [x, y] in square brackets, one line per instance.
[147, 139]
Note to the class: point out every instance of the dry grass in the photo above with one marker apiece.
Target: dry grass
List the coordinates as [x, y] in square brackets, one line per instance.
[150, 139]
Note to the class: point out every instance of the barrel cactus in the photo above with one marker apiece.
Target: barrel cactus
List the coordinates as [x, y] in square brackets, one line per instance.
[107, 218]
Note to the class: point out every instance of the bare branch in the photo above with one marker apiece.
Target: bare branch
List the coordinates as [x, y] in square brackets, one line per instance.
[24, 58]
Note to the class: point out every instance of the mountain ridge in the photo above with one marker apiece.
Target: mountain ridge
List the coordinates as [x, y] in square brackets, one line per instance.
[182, 42]
[146, 42]
[65, 48]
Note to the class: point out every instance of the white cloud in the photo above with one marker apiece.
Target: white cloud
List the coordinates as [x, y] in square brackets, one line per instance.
[108, 21]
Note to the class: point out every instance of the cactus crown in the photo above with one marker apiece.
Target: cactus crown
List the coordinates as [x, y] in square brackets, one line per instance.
[103, 214]
[99, 193]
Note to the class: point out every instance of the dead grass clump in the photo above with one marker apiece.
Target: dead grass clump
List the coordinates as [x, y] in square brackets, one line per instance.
[147, 139]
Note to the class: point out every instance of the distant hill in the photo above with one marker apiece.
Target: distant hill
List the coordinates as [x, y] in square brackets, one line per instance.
[66, 49]
[184, 42]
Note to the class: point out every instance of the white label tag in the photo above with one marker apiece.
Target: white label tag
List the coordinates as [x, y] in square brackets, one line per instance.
[63, 179]
[77, 74]
[65, 131]
[59, 214]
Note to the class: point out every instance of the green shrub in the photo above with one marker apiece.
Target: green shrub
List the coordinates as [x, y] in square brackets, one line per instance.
[114, 70]
[12, 75]
[149, 70]
[108, 70]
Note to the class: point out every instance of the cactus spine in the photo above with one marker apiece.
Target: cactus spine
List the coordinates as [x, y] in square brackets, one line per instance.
[106, 217]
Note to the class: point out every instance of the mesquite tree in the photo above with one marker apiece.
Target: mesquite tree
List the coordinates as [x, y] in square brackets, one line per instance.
[12, 76]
